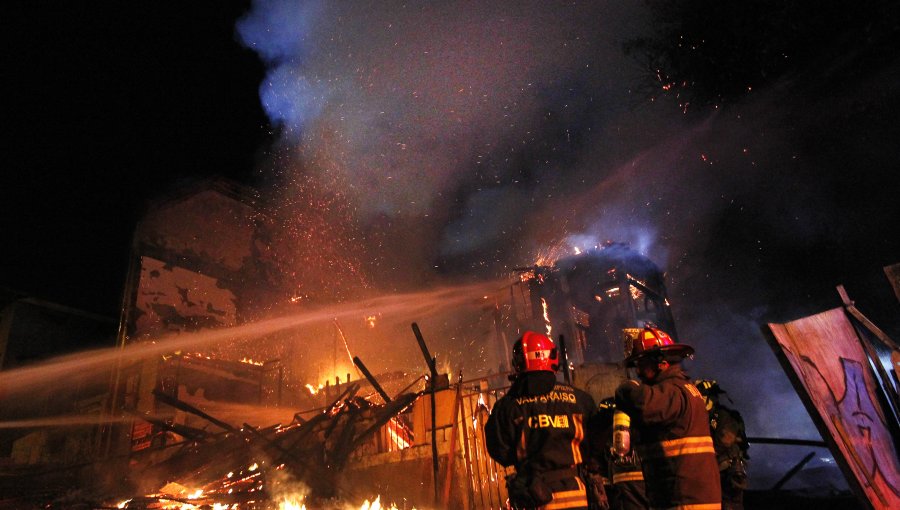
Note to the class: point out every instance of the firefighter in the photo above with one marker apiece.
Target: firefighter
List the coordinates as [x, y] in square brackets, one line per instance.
[539, 427]
[730, 441]
[669, 417]
[619, 463]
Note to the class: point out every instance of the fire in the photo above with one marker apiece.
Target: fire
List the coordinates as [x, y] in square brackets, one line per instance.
[636, 293]
[294, 502]
[376, 505]
[399, 434]
[370, 321]
[252, 362]
[314, 389]
[174, 496]
[546, 316]
[289, 503]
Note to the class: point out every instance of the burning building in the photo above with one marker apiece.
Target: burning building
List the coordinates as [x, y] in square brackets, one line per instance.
[210, 258]
[207, 258]
[591, 301]
[192, 425]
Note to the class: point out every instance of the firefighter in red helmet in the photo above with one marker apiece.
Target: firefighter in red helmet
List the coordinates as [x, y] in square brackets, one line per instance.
[538, 426]
[668, 415]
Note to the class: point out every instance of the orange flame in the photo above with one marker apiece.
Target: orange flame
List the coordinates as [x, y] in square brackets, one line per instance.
[546, 316]
[314, 389]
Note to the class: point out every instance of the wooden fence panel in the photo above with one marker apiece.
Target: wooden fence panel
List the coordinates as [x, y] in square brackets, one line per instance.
[825, 360]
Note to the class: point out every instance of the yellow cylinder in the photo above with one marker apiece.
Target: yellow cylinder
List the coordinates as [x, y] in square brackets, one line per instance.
[621, 433]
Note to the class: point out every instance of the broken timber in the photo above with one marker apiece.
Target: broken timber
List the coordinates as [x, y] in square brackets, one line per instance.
[232, 465]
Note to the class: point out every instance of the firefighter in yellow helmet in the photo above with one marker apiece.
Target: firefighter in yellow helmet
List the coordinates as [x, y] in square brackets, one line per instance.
[539, 427]
[668, 416]
[730, 441]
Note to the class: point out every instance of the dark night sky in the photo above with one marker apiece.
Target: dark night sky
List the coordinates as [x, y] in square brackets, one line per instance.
[108, 105]
[491, 131]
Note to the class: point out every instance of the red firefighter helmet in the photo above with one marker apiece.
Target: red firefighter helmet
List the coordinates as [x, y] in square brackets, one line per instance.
[652, 340]
[533, 352]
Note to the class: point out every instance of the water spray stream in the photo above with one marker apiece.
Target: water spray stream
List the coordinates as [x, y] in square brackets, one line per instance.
[63, 421]
[340, 333]
[399, 307]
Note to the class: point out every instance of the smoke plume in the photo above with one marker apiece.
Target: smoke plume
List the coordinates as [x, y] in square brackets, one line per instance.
[469, 137]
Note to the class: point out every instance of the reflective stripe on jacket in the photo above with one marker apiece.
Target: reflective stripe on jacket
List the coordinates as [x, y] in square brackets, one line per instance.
[566, 499]
[538, 427]
[673, 441]
[628, 476]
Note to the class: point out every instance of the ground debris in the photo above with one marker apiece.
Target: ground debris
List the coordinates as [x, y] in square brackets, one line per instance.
[241, 468]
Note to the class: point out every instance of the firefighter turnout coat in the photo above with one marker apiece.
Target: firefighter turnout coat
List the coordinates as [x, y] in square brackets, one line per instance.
[730, 441]
[673, 441]
[539, 427]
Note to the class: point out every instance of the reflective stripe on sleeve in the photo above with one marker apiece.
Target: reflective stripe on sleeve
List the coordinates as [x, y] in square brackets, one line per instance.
[703, 506]
[630, 476]
[576, 441]
[677, 447]
[567, 499]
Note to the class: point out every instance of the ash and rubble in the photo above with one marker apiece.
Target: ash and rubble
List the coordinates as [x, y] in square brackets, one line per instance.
[222, 466]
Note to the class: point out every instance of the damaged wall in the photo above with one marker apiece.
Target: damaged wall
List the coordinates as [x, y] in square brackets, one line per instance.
[172, 299]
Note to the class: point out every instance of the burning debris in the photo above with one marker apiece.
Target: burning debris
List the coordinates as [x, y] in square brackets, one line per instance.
[248, 465]
[193, 443]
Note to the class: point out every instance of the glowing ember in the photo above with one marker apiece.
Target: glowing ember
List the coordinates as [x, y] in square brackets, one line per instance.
[549, 256]
[636, 293]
